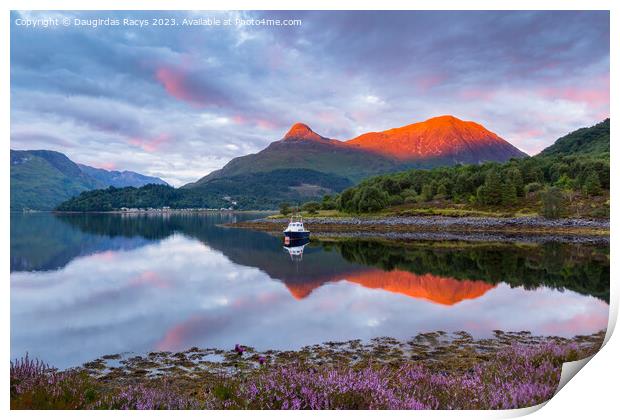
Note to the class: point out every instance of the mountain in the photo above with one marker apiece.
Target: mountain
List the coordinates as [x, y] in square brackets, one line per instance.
[120, 179]
[302, 148]
[443, 140]
[589, 141]
[42, 179]
[438, 141]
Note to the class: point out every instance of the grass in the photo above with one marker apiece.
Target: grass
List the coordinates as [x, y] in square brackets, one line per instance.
[430, 371]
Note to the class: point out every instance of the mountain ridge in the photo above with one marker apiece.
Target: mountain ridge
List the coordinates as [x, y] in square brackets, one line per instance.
[42, 179]
[368, 155]
[120, 179]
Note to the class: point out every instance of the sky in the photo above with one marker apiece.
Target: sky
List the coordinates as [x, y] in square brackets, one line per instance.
[180, 101]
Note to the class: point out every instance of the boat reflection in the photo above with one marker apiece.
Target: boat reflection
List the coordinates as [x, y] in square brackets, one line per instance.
[295, 248]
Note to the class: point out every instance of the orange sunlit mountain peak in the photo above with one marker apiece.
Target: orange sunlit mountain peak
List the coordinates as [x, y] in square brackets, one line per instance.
[301, 131]
[444, 137]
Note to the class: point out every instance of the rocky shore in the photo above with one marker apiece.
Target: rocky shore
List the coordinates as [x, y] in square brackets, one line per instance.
[434, 370]
[527, 229]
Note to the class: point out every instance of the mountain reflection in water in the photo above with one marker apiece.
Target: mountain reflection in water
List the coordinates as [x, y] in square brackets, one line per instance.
[107, 283]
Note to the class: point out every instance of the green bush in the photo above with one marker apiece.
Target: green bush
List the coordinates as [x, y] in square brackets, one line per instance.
[533, 187]
[311, 207]
[552, 203]
[592, 184]
[285, 208]
[371, 200]
[396, 200]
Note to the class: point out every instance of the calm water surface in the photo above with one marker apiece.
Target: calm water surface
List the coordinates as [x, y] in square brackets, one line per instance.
[87, 285]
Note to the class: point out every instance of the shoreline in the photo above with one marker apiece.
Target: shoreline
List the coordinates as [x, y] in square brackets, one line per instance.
[434, 370]
[512, 229]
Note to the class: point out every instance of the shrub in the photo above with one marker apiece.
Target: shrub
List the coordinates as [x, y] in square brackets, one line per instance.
[533, 187]
[592, 184]
[552, 201]
[311, 207]
[285, 209]
[371, 199]
[395, 200]
[509, 193]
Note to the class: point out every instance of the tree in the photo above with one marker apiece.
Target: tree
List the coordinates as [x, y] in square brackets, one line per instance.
[311, 207]
[516, 178]
[592, 184]
[427, 192]
[396, 200]
[491, 190]
[565, 182]
[552, 201]
[509, 193]
[328, 203]
[532, 187]
[347, 200]
[285, 208]
[372, 199]
[442, 191]
[462, 186]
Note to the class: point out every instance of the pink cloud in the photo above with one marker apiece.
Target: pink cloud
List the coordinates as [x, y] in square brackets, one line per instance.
[531, 133]
[239, 119]
[477, 94]
[110, 166]
[175, 84]
[265, 124]
[594, 97]
[150, 145]
[428, 82]
[262, 123]
[187, 86]
[594, 92]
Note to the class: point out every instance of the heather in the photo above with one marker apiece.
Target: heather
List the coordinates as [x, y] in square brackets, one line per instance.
[430, 371]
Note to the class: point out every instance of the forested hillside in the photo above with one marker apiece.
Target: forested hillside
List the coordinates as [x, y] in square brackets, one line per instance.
[569, 178]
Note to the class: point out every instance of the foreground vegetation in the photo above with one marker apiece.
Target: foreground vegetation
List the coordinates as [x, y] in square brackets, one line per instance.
[431, 371]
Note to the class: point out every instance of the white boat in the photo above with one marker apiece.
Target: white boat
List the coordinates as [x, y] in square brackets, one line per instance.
[295, 231]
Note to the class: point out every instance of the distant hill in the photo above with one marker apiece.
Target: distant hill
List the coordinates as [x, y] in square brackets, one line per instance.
[42, 179]
[120, 179]
[258, 191]
[592, 141]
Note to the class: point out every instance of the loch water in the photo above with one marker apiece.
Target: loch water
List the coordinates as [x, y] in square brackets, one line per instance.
[86, 285]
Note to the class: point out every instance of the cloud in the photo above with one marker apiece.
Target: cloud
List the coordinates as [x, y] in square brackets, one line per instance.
[189, 87]
[181, 102]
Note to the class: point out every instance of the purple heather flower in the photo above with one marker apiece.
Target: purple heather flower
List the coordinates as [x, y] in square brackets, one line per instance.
[261, 360]
[239, 349]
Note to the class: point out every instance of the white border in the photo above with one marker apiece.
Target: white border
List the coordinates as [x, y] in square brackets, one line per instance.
[592, 394]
